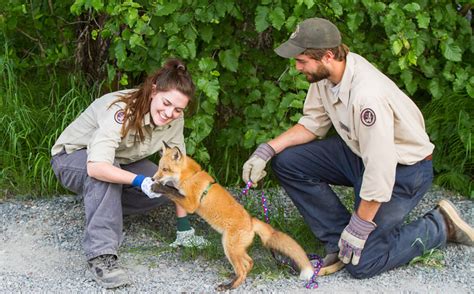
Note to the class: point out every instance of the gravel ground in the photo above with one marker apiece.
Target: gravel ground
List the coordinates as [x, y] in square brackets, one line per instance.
[40, 252]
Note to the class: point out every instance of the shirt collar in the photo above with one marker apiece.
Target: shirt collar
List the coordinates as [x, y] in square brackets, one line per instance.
[148, 121]
[345, 83]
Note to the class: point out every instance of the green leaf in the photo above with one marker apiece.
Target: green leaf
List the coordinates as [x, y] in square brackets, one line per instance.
[451, 51]
[131, 17]
[435, 88]
[94, 34]
[249, 138]
[120, 52]
[206, 33]
[230, 58]
[207, 64]
[354, 20]
[309, 3]
[124, 80]
[277, 17]
[97, 4]
[336, 7]
[76, 7]
[191, 49]
[397, 47]
[189, 33]
[136, 40]
[411, 57]
[378, 7]
[183, 51]
[470, 90]
[210, 88]
[167, 8]
[412, 7]
[261, 22]
[423, 20]
[301, 83]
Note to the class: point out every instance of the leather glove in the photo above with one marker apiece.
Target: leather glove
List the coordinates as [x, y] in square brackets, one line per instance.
[145, 183]
[353, 239]
[254, 167]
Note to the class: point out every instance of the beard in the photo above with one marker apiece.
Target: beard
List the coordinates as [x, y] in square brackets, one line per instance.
[320, 74]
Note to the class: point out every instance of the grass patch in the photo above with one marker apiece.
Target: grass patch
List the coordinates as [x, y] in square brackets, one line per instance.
[31, 119]
[432, 258]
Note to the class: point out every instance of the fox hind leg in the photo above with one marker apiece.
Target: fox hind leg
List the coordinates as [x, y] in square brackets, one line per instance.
[248, 262]
[235, 249]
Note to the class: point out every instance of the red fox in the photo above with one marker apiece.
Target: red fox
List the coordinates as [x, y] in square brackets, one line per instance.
[197, 192]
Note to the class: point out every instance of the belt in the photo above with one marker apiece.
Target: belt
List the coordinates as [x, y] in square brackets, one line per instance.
[429, 157]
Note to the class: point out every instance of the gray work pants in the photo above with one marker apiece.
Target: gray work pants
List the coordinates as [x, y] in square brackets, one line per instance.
[105, 203]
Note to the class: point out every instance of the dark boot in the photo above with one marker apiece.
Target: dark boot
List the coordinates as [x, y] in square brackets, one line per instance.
[107, 272]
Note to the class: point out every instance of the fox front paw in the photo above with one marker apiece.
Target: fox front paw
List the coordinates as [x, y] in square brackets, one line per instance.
[166, 190]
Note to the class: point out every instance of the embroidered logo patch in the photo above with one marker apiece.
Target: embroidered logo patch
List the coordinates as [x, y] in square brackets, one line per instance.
[119, 116]
[367, 117]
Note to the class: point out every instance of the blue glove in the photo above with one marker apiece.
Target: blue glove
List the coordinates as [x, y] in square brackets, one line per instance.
[353, 239]
[145, 184]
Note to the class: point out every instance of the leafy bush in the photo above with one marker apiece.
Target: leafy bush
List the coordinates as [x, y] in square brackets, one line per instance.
[246, 93]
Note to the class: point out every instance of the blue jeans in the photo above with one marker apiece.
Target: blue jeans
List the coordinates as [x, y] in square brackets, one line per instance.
[305, 172]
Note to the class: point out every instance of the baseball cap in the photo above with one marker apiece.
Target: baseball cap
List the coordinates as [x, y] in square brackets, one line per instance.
[311, 33]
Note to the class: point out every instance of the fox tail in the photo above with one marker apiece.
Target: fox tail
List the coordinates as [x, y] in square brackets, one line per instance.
[284, 244]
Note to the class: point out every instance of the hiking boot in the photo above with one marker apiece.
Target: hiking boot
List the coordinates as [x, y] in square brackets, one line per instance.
[458, 230]
[189, 239]
[331, 264]
[107, 272]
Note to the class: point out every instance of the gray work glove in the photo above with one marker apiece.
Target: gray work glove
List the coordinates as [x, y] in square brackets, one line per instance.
[254, 167]
[353, 239]
[146, 188]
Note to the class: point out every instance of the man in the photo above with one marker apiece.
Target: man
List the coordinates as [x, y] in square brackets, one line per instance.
[382, 150]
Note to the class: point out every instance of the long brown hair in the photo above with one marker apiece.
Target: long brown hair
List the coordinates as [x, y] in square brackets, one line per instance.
[172, 76]
[340, 52]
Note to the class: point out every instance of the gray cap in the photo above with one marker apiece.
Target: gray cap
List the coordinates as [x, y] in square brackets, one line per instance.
[313, 33]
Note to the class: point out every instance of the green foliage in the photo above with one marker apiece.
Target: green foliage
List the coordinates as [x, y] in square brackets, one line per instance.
[246, 93]
[450, 124]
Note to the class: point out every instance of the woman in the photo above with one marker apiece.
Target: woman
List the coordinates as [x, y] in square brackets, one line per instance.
[102, 155]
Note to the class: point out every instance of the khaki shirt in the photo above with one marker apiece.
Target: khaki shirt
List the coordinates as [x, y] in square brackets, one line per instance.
[375, 118]
[99, 127]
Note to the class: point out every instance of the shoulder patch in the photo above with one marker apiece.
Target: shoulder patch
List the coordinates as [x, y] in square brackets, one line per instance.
[367, 117]
[119, 116]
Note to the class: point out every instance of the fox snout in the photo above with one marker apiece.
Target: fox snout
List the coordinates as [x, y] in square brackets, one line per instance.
[166, 181]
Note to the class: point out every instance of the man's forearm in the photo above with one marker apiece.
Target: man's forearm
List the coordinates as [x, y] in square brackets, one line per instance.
[368, 209]
[296, 135]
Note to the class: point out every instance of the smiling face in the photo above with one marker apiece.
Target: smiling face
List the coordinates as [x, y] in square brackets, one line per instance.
[314, 70]
[167, 106]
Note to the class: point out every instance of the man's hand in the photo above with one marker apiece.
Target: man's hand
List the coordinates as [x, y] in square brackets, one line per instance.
[353, 239]
[254, 167]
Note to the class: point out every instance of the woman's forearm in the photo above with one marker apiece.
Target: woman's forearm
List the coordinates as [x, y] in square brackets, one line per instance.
[107, 172]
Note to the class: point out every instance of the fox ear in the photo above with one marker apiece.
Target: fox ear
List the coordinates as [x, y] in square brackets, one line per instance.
[177, 154]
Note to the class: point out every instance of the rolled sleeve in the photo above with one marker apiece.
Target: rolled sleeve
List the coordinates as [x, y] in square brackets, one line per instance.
[106, 138]
[377, 147]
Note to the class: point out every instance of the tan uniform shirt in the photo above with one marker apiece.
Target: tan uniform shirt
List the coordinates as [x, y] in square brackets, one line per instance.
[375, 118]
[99, 127]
